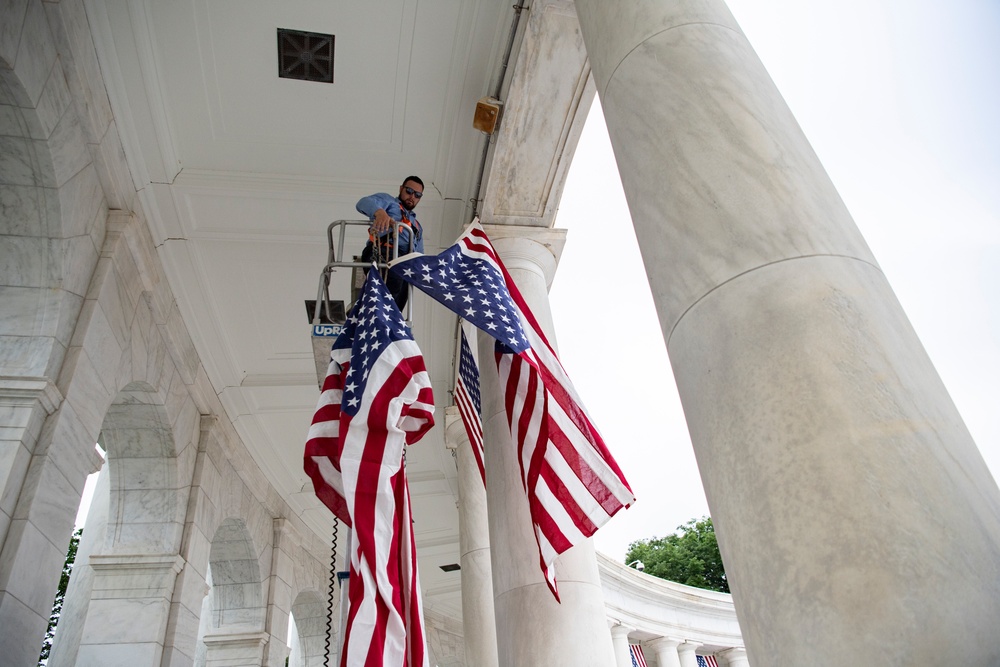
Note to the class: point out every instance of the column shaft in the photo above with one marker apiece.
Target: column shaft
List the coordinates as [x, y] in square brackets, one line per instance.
[686, 654]
[619, 639]
[25, 403]
[235, 648]
[839, 473]
[279, 596]
[478, 616]
[532, 628]
[43, 470]
[129, 607]
[69, 631]
[734, 657]
[665, 651]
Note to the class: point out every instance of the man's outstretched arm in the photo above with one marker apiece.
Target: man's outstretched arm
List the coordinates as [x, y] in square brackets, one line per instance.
[381, 209]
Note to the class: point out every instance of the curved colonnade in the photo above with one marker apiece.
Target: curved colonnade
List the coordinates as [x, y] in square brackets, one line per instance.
[189, 556]
[196, 559]
[671, 622]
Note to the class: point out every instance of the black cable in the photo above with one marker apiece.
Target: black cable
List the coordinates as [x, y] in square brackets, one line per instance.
[333, 590]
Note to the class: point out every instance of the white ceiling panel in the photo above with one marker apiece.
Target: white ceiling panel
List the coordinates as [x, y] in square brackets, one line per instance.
[257, 291]
[400, 70]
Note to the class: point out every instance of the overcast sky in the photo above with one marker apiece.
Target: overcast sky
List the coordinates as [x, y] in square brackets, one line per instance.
[901, 102]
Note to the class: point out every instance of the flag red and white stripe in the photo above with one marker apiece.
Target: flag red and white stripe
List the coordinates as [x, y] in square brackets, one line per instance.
[468, 400]
[635, 652]
[572, 482]
[376, 398]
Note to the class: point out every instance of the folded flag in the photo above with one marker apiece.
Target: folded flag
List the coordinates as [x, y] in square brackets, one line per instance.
[376, 398]
[572, 482]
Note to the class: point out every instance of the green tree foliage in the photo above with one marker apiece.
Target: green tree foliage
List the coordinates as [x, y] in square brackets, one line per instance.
[690, 556]
[57, 604]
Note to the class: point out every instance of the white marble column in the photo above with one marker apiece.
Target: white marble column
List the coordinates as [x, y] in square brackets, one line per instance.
[236, 647]
[734, 657]
[686, 654]
[532, 628]
[665, 651]
[25, 403]
[69, 631]
[29, 561]
[838, 472]
[44, 490]
[619, 639]
[478, 616]
[129, 606]
[279, 594]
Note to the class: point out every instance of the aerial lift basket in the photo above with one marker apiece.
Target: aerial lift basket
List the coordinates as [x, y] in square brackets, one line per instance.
[327, 315]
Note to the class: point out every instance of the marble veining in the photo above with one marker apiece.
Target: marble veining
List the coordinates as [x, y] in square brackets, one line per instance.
[11, 122]
[15, 161]
[68, 148]
[21, 210]
[52, 105]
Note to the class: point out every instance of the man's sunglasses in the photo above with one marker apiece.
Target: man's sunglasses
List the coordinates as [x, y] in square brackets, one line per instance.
[413, 193]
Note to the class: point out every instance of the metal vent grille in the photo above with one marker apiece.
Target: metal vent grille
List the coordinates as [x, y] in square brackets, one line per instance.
[307, 56]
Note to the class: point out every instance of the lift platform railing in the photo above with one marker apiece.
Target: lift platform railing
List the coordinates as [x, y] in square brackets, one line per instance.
[323, 302]
[324, 330]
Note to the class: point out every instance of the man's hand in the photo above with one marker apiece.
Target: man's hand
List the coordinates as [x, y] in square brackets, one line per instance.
[382, 222]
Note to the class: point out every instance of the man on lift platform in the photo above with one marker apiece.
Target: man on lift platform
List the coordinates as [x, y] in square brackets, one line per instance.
[384, 211]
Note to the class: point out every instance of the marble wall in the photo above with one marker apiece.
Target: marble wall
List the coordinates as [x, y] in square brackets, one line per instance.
[309, 612]
[69, 631]
[92, 345]
[52, 220]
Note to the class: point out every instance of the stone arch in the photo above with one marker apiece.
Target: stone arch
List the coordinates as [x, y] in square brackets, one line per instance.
[309, 613]
[52, 206]
[146, 503]
[237, 585]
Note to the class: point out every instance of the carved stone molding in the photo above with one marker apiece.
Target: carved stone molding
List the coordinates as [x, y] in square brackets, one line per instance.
[27, 390]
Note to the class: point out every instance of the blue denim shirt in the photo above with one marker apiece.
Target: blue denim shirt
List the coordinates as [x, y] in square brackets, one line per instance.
[367, 207]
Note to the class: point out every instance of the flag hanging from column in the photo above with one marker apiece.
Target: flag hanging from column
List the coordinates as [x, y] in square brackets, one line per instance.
[467, 398]
[706, 661]
[573, 483]
[635, 652]
[376, 398]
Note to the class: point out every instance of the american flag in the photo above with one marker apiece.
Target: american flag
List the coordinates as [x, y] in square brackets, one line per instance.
[572, 482]
[470, 406]
[638, 660]
[706, 661]
[375, 399]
